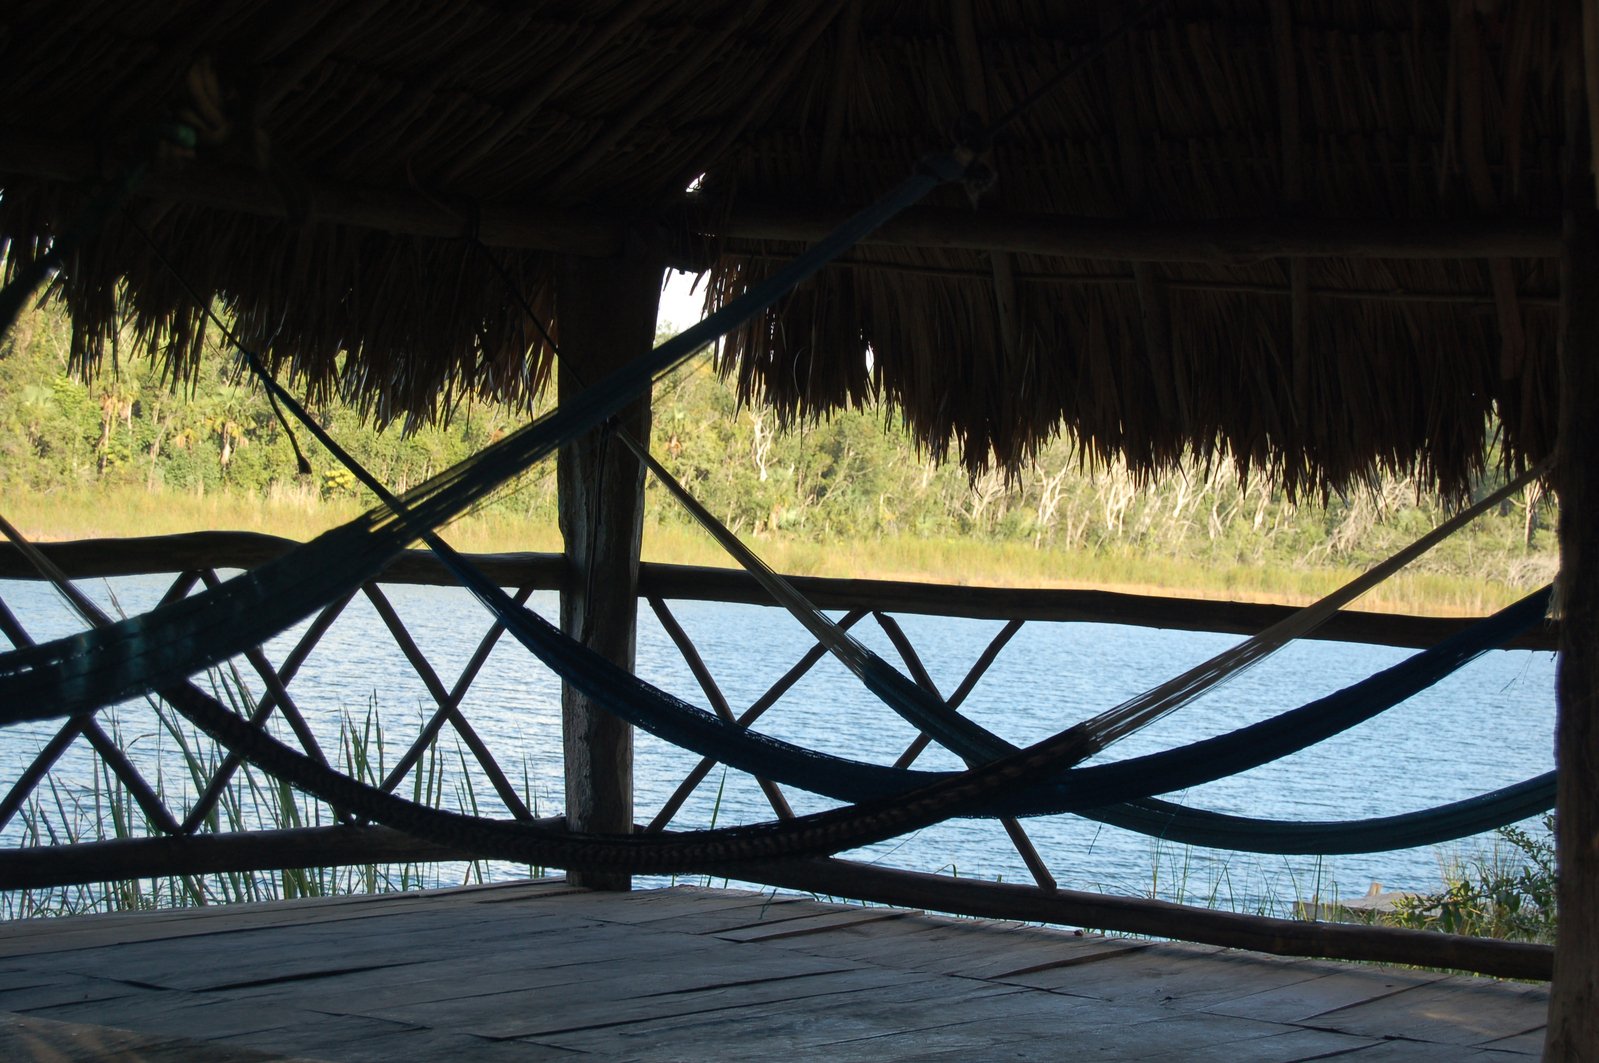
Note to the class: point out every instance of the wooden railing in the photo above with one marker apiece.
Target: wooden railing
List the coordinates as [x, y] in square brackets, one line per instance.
[181, 844]
[213, 550]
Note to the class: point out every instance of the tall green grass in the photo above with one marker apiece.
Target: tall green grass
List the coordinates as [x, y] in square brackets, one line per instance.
[104, 809]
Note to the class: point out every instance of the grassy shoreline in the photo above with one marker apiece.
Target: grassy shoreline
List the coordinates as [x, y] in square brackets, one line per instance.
[111, 512]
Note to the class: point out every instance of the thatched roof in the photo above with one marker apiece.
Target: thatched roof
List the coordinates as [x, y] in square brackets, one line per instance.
[1317, 236]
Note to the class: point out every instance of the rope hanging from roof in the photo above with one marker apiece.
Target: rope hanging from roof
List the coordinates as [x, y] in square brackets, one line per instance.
[137, 655]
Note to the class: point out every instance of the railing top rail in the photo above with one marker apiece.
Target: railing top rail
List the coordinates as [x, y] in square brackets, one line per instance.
[89, 558]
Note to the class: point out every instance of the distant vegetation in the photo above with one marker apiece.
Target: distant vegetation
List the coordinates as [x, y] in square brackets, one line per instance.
[132, 452]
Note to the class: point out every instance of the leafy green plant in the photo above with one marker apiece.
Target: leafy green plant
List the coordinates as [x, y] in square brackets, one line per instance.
[1506, 892]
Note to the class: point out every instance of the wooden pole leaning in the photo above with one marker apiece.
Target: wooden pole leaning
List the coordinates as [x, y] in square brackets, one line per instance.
[606, 316]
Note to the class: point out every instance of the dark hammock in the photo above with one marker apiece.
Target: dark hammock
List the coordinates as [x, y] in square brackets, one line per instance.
[824, 832]
[1078, 790]
[143, 665]
[1444, 823]
[975, 743]
[1086, 790]
[1081, 790]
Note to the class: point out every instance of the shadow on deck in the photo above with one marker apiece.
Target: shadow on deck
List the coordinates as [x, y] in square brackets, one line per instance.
[538, 970]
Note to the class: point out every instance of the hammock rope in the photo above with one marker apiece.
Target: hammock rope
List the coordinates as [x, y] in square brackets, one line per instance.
[930, 714]
[970, 741]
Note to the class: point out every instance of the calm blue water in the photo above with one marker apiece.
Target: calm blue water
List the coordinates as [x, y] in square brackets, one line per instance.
[1489, 725]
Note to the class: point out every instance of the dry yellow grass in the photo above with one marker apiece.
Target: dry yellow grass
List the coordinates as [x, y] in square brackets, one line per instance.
[81, 514]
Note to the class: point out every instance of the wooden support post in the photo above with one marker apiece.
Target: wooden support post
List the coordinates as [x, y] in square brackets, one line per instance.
[606, 313]
[1573, 1031]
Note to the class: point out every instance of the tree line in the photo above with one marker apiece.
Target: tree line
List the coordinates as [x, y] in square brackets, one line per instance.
[853, 475]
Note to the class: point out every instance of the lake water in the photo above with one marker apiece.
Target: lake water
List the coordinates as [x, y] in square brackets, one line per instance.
[1488, 725]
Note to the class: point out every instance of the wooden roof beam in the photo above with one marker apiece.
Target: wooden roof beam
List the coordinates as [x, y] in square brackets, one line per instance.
[403, 211]
[601, 234]
[1234, 240]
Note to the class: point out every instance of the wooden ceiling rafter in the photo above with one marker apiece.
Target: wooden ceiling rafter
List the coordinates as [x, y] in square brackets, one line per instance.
[599, 232]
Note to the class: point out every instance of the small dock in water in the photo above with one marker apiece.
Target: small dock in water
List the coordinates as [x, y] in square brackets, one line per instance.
[539, 970]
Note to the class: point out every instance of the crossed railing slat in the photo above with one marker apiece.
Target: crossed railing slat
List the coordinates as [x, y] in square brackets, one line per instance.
[277, 692]
[907, 652]
[275, 698]
[918, 671]
[756, 710]
[87, 727]
[449, 701]
[447, 712]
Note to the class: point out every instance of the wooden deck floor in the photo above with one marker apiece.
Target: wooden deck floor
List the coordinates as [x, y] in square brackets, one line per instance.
[539, 971]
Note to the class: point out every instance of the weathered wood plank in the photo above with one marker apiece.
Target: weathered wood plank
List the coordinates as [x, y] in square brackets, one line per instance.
[26, 1038]
[352, 1040]
[1195, 977]
[1526, 1044]
[578, 1016]
[698, 911]
[907, 1010]
[1400, 1049]
[668, 982]
[978, 949]
[27, 990]
[1027, 1041]
[27, 937]
[187, 1015]
[1455, 1011]
[1303, 1001]
[807, 925]
[278, 954]
[1184, 1037]
[507, 974]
